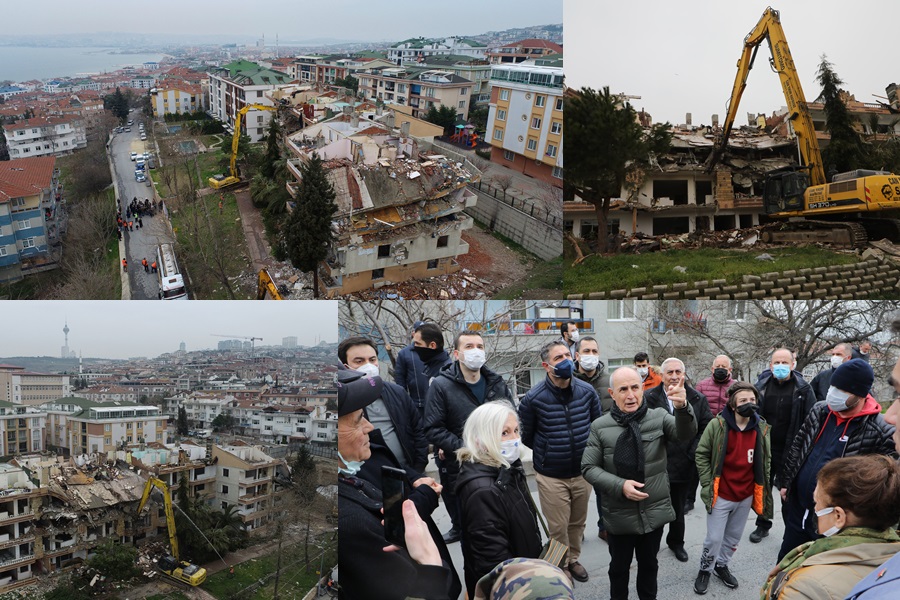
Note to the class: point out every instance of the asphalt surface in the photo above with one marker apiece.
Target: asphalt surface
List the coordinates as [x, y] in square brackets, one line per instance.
[750, 565]
[142, 242]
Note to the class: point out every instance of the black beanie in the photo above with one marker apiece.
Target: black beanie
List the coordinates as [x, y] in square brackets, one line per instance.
[854, 376]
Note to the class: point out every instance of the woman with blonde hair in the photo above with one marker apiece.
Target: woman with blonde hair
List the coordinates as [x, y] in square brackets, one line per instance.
[857, 503]
[499, 522]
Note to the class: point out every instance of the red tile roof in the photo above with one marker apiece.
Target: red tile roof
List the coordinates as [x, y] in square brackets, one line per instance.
[25, 124]
[535, 43]
[25, 176]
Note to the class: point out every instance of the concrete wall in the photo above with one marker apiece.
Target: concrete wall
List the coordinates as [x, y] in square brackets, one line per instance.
[531, 233]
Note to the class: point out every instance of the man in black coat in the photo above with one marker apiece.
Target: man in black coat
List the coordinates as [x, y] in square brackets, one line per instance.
[397, 422]
[840, 354]
[420, 362]
[459, 388]
[680, 465]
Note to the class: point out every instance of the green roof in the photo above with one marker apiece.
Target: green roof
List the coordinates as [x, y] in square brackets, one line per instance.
[551, 60]
[246, 72]
[371, 54]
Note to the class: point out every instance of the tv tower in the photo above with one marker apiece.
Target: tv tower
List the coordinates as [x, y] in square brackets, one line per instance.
[65, 352]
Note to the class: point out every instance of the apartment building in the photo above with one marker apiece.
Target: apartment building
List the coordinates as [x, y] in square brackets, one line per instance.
[525, 121]
[48, 136]
[22, 387]
[399, 210]
[239, 84]
[245, 476]
[470, 68]
[18, 560]
[328, 69]
[523, 50]
[78, 425]
[413, 49]
[21, 429]
[419, 88]
[176, 98]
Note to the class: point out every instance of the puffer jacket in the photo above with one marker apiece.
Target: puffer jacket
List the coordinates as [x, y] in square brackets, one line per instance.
[414, 375]
[556, 426]
[498, 522]
[872, 435]
[711, 459]
[681, 454]
[821, 382]
[830, 574]
[716, 393]
[621, 515]
[449, 403]
[407, 424]
[600, 382]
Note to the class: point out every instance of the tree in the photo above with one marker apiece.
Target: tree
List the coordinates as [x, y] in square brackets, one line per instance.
[114, 560]
[303, 473]
[845, 149]
[223, 421]
[117, 103]
[350, 83]
[273, 152]
[605, 143]
[479, 118]
[181, 426]
[307, 235]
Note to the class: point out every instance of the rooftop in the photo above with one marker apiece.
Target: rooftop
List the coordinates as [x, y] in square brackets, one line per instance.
[25, 177]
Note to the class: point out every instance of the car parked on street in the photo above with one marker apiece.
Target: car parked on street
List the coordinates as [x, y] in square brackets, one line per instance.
[134, 156]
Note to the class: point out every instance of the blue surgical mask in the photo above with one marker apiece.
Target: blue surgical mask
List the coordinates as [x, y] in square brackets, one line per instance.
[352, 466]
[564, 368]
[781, 371]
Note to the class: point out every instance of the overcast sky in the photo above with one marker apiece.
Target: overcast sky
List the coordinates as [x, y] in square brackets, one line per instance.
[681, 57]
[344, 19]
[115, 329]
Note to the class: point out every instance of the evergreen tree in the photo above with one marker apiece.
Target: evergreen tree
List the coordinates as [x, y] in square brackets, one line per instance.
[845, 150]
[181, 426]
[273, 154]
[183, 498]
[307, 235]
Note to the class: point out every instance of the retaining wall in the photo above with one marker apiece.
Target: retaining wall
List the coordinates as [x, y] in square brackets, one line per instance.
[871, 277]
[533, 234]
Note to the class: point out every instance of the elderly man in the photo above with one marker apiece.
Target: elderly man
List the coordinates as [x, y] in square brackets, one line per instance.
[626, 458]
[715, 387]
[848, 423]
[785, 400]
[682, 468]
[840, 354]
[555, 417]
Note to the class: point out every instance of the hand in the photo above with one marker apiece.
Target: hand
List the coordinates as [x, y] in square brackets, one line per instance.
[631, 490]
[419, 543]
[677, 394]
[429, 482]
[775, 571]
[783, 494]
[441, 454]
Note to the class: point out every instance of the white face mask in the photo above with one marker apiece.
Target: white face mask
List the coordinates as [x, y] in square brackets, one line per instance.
[836, 399]
[589, 362]
[831, 530]
[369, 369]
[573, 336]
[474, 359]
[836, 361]
[642, 371]
[510, 449]
[352, 466]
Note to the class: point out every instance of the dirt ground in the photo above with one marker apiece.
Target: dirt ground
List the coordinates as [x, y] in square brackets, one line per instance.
[492, 260]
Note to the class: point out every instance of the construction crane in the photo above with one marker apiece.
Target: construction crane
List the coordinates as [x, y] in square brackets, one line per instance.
[241, 337]
[266, 288]
[815, 209]
[218, 182]
[171, 564]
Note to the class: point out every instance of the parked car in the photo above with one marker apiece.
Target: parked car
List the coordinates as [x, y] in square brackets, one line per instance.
[140, 177]
[143, 137]
[134, 156]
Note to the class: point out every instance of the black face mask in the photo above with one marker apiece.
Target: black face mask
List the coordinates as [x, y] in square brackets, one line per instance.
[747, 410]
[426, 354]
[720, 374]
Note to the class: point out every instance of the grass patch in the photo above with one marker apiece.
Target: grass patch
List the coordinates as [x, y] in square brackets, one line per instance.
[542, 276]
[296, 578]
[605, 273]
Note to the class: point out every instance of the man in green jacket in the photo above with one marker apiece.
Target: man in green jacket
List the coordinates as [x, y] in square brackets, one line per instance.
[626, 459]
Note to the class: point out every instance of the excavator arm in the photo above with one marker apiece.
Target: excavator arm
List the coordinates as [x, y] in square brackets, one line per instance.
[769, 29]
[236, 138]
[153, 482]
[266, 285]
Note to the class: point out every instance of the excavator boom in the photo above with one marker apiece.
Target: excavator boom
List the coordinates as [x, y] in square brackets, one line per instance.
[235, 141]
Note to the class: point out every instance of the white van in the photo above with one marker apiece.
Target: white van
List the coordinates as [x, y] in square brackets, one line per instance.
[171, 282]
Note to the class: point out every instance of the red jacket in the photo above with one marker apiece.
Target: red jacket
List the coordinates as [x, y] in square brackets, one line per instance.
[716, 393]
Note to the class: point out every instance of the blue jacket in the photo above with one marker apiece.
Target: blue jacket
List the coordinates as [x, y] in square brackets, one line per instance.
[414, 376]
[556, 425]
[881, 584]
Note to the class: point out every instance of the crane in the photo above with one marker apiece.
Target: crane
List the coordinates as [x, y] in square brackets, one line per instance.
[241, 337]
[817, 210]
[218, 182]
[172, 565]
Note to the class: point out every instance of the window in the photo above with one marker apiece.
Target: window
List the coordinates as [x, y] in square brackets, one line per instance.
[2, 250]
[735, 310]
[432, 264]
[540, 100]
[28, 243]
[508, 155]
[504, 94]
[498, 134]
[224, 489]
[107, 441]
[128, 426]
[558, 172]
[384, 251]
[556, 127]
[259, 93]
[559, 104]
[24, 224]
[501, 115]
[536, 123]
[462, 104]
[224, 472]
[464, 91]
[224, 506]
[443, 241]
[620, 310]
[551, 150]
[107, 427]
[532, 144]
[377, 274]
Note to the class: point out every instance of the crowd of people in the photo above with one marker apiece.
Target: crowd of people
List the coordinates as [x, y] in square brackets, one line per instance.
[642, 439]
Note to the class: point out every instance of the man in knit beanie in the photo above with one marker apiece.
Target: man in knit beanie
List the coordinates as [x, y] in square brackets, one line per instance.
[847, 423]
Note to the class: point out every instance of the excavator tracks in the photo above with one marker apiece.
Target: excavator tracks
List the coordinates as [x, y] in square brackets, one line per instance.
[847, 234]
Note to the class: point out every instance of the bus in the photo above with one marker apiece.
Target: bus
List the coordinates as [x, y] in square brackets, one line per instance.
[171, 282]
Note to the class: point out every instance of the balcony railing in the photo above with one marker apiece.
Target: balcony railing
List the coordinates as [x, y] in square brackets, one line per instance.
[524, 326]
[13, 561]
[9, 517]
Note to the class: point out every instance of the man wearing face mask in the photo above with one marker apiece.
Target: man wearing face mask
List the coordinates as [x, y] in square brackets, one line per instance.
[420, 362]
[840, 354]
[848, 423]
[569, 335]
[398, 425]
[785, 400]
[650, 378]
[459, 388]
[715, 388]
[555, 417]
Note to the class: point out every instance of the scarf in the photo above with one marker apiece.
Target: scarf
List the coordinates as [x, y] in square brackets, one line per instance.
[628, 456]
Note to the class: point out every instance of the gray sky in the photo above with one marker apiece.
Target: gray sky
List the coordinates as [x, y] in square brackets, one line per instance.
[345, 19]
[115, 329]
[681, 56]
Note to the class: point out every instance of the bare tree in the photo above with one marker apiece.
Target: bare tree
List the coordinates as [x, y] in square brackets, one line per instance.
[88, 271]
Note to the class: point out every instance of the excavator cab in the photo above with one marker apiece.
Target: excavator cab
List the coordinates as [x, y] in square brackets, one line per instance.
[784, 189]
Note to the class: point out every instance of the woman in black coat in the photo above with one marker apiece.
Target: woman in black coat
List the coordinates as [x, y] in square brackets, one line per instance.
[499, 522]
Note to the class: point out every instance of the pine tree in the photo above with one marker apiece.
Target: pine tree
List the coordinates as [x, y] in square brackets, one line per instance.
[273, 154]
[181, 426]
[844, 151]
[307, 236]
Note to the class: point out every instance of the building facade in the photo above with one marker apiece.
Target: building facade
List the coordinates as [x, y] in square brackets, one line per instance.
[45, 137]
[176, 99]
[419, 88]
[413, 49]
[239, 84]
[21, 387]
[78, 425]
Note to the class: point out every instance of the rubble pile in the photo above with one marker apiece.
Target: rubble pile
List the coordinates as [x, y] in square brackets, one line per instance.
[462, 285]
[640, 243]
[293, 284]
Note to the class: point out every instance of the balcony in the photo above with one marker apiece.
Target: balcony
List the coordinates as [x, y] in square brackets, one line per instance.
[13, 561]
[524, 326]
[254, 498]
[5, 517]
[6, 541]
[686, 324]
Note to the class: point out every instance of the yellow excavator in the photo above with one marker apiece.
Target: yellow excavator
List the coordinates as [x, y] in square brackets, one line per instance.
[171, 565]
[815, 210]
[219, 182]
[266, 288]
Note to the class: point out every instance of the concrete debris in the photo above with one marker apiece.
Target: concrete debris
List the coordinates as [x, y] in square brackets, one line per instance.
[640, 243]
[680, 269]
[765, 256]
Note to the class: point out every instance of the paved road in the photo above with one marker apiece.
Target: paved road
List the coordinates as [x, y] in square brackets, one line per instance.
[751, 563]
[141, 242]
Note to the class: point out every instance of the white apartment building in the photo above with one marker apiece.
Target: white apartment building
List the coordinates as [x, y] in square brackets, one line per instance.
[176, 99]
[245, 476]
[81, 426]
[415, 48]
[45, 136]
[239, 84]
[418, 88]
